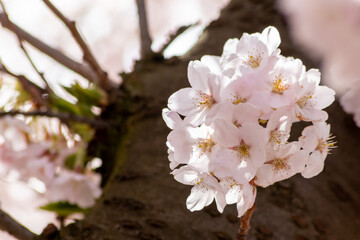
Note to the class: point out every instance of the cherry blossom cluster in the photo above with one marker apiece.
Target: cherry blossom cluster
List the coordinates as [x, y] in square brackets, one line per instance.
[38, 150]
[231, 128]
[330, 30]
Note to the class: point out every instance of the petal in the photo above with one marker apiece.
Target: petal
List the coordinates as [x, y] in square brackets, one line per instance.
[324, 97]
[314, 165]
[171, 118]
[185, 101]
[271, 38]
[225, 133]
[212, 62]
[200, 197]
[185, 175]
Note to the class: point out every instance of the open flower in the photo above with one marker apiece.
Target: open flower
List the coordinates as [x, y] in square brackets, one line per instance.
[281, 164]
[317, 140]
[197, 102]
[205, 188]
[252, 53]
[75, 188]
[240, 192]
[312, 98]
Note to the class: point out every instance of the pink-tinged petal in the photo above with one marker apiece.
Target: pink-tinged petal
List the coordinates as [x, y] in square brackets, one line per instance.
[200, 197]
[324, 97]
[186, 176]
[198, 117]
[229, 50]
[198, 74]
[225, 133]
[247, 201]
[171, 118]
[220, 201]
[212, 62]
[185, 101]
[257, 155]
[181, 144]
[322, 130]
[246, 113]
[264, 176]
[271, 38]
[308, 139]
[253, 134]
[309, 114]
[313, 75]
[298, 161]
[314, 165]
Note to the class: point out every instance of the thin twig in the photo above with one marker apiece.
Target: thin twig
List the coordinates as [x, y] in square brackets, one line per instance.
[245, 224]
[88, 56]
[82, 69]
[14, 228]
[145, 39]
[64, 117]
[36, 92]
[173, 36]
[47, 87]
[41, 74]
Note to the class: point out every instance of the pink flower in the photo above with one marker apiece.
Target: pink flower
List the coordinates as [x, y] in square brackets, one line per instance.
[75, 188]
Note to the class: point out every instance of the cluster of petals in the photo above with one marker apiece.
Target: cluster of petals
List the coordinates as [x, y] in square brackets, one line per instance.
[329, 29]
[37, 149]
[231, 127]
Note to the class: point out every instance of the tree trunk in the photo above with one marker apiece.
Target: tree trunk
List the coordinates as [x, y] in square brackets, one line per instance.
[141, 199]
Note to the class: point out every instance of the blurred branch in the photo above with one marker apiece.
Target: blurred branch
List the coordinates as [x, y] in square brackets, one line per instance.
[35, 91]
[58, 56]
[64, 117]
[47, 87]
[144, 30]
[173, 36]
[14, 228]
[87, 54]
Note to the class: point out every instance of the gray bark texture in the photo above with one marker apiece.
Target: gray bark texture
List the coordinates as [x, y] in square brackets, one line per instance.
[141, 199]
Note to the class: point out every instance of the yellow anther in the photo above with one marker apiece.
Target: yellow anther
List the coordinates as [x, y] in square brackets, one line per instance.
[278, 85]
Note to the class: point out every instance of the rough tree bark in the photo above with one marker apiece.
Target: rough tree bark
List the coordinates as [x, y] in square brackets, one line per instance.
[142, 200]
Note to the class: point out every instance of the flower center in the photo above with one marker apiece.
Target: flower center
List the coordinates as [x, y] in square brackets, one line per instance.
[254, 60]
[198, 180]
[280, 164]
[278, 137]
[205, 145]
[305, 101]
[278, 85]
[242, 150]
[325, 145]
[237, 99]
[206, 100]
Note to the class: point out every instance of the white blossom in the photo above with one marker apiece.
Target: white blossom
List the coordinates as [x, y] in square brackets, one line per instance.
[236, 122]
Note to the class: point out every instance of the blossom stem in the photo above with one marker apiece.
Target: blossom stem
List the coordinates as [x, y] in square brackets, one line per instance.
[245, 224]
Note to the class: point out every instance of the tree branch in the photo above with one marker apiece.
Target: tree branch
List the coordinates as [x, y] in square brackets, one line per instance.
[88, 56]
[36, 92]
[145, 39]
[14, 228]
[47, 87]
[64, 117]
[173, 36]
[58, 56]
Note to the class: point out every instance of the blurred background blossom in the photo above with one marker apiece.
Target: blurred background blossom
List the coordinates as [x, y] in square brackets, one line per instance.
[111, 29]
